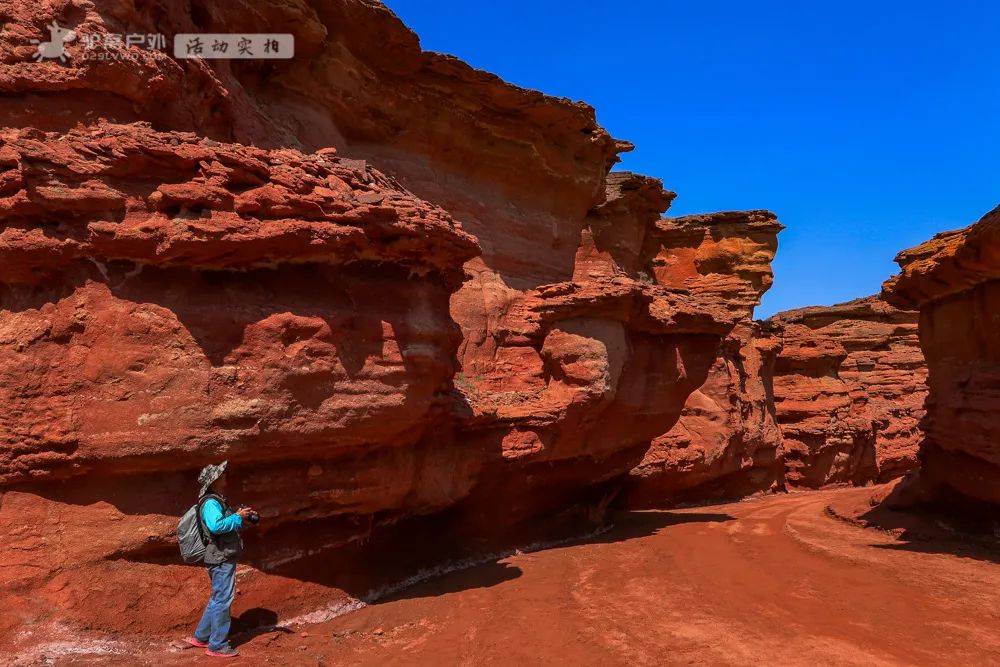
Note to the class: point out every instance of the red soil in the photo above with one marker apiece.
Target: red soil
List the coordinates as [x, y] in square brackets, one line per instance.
[774, 579]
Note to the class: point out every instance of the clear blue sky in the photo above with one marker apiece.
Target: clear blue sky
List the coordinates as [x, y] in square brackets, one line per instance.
[866, 126]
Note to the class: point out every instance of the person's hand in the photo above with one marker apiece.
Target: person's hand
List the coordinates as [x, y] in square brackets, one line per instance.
[245, 513]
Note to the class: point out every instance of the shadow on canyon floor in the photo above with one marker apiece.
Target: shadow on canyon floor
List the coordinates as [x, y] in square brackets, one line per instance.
[478, 575]
[961, 549]
[629, 525]
[429, 556]
[417, 563]
[456, 576]
[932, 531]
[253, 623]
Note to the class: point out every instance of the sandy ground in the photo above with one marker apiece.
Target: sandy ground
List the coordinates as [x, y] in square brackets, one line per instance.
[776, 580]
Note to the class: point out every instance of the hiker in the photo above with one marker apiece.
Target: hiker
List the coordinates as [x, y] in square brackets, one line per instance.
[221, 526]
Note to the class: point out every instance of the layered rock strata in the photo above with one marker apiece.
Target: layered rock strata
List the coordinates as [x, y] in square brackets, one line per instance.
[809, 398]
[260, 261]
[954, 279]
[620, 346]
[167, 300]
[849, 391]
[727, 442]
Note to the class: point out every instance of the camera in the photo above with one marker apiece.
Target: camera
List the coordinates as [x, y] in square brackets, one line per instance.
[253, 517]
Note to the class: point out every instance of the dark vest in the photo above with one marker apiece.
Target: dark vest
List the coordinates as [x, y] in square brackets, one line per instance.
[222, 547]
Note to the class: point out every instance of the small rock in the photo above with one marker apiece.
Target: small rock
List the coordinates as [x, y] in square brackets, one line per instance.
[371, 198]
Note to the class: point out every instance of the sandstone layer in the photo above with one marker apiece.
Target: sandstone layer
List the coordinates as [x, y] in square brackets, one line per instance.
[849, 391]
[954, 279]
[392, 290]
[809, 398]
[727, 442]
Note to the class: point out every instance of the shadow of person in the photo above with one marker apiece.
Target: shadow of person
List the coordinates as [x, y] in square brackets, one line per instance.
[253, 623]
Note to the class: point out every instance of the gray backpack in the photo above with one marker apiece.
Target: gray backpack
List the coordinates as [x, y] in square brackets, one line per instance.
[191, 533]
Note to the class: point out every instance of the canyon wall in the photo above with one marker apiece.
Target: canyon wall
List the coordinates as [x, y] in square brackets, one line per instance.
[727, 443]
[849, 393]
[168, 300]
[808, 398]
[397, 293]
[954, 279]
[410, 303]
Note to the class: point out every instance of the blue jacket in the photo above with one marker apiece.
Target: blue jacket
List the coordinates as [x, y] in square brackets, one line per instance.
[213, 516]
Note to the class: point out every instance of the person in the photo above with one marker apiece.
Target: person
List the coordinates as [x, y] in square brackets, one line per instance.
[221, 526]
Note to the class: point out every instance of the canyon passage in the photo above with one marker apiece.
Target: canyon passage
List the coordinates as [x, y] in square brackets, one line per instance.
[432, 330]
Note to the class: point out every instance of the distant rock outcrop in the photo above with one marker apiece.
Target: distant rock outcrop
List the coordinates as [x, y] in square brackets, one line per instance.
[808, 398]
[849, 392]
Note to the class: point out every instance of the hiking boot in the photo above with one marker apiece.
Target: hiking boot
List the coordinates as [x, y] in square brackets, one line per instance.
[224, 652]
[195, 642]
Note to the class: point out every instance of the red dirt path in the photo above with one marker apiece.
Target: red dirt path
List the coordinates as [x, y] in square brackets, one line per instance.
[776, 579]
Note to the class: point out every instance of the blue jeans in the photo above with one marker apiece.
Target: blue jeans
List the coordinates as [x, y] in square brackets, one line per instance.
[214, 625]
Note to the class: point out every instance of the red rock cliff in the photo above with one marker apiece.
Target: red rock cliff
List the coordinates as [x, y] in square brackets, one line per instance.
[168, 299]
[954, 279]
[808, 398]
[849, 393]
[727, 443]
[581, 376]
[199, 261]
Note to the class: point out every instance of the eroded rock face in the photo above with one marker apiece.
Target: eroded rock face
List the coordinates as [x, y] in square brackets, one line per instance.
[166, 299]
[808, 398]
[726, 430]
[198, 262]
[727, 443]
[594, 369]
[849, 393]
[954, 279]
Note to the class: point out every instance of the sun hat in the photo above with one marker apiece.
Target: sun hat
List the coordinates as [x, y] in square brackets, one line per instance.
[209, 474]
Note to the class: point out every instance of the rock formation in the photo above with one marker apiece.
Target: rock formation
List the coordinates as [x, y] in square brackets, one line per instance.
[727, 443]
[849, 393]
[808, 398]
[407, 300]
[954, 279]
[620, 346]
[168, 299]
[384, 285]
